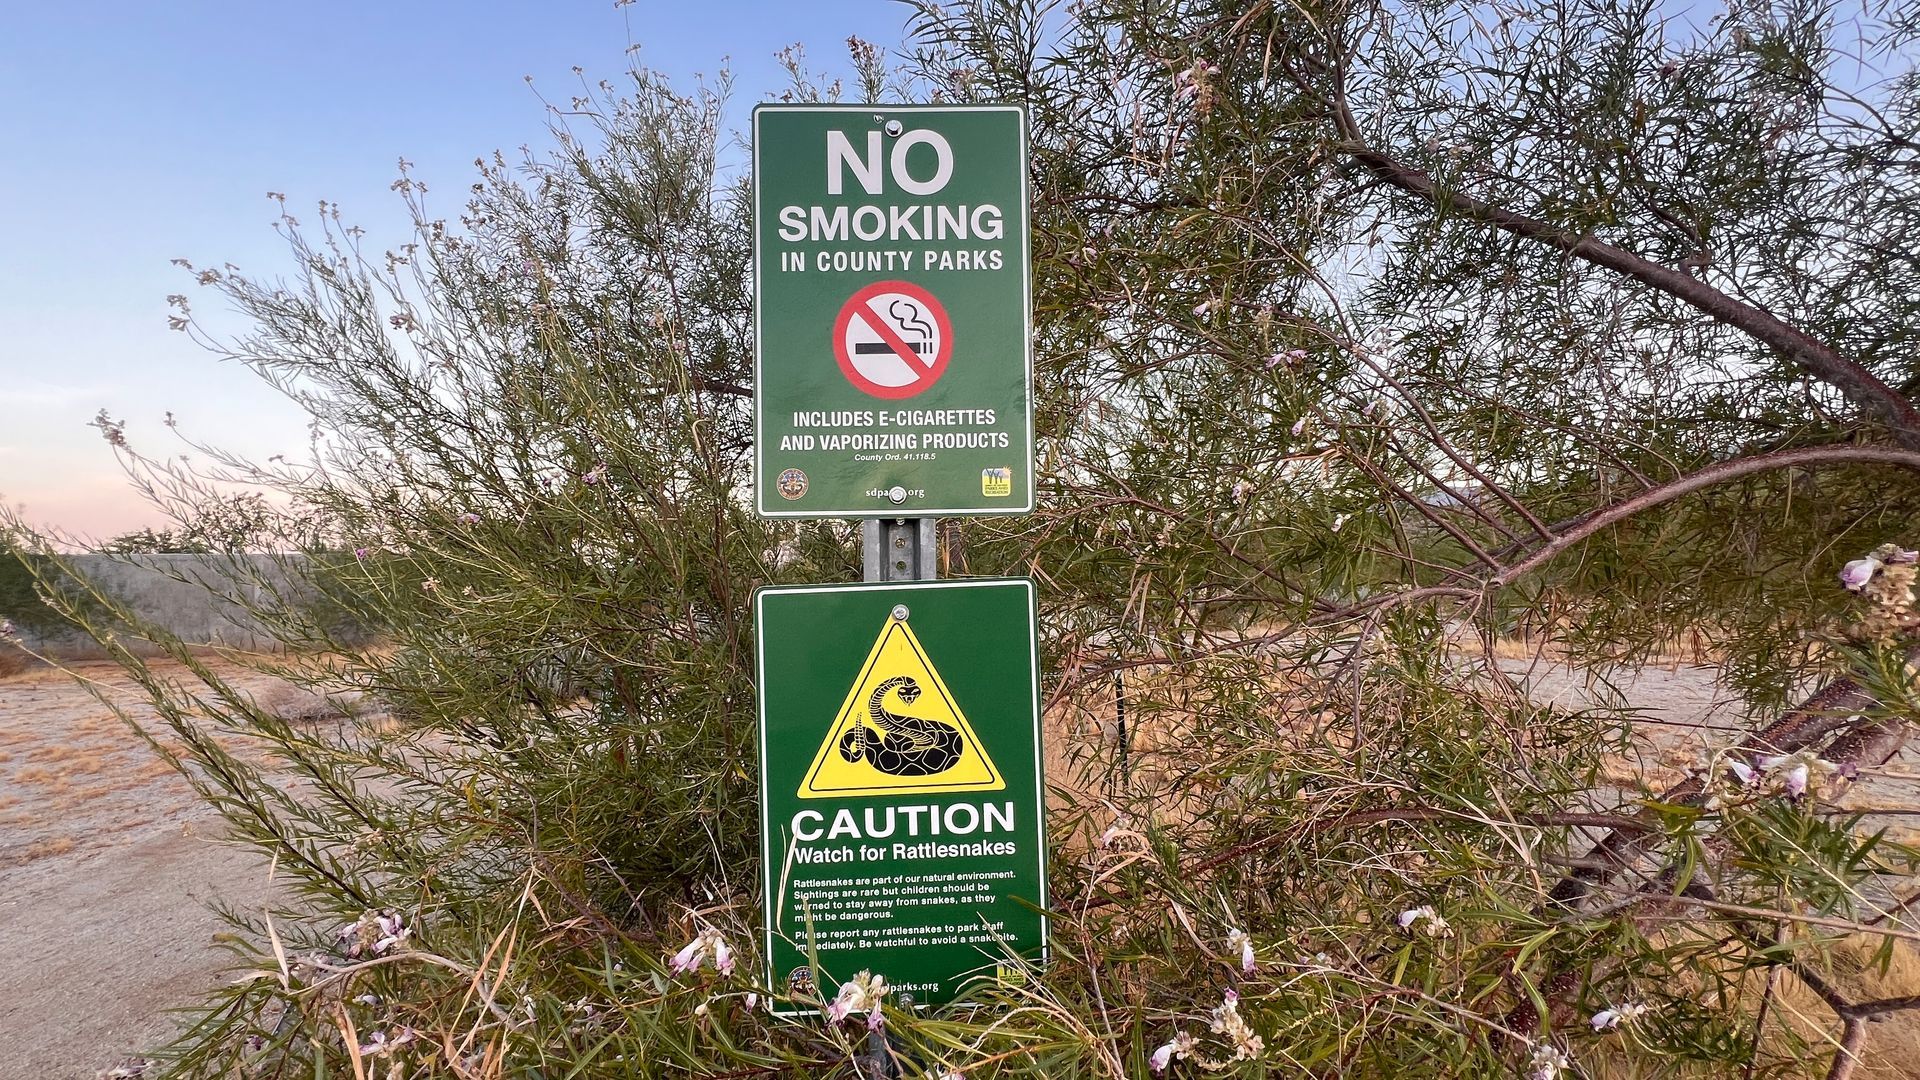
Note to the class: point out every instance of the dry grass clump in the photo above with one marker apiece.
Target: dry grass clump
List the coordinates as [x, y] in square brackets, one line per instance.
[1800, 1025]
[41, 849]
[15, 662]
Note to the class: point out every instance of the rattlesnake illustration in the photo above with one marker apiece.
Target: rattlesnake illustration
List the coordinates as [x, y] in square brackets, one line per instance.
[910, 746]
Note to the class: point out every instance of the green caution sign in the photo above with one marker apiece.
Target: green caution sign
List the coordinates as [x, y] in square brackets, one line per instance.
[894, 369]
[901, 798]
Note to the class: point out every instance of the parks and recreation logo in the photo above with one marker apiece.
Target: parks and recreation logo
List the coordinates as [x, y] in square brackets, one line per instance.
[792, 483]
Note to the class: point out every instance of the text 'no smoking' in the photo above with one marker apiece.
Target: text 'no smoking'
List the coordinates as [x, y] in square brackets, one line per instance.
[892, 339]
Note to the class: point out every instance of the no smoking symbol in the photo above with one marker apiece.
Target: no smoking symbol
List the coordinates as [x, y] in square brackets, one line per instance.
[892, 339]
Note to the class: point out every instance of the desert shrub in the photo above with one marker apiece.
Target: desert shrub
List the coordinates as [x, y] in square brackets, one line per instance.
[1367, 336]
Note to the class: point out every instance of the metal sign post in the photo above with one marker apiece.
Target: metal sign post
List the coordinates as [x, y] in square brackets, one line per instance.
[899, 549]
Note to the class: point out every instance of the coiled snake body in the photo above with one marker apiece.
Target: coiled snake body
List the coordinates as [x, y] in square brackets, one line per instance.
[904, 745]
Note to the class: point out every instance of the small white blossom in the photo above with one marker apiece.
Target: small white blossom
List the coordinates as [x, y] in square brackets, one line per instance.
[379, 1044]
[1796, 780]
[707, 946]
[393, 932]
[1855, 575]
[1427, 919]
[1180, 1046]
[1237, 940]
[1227, 1021]
[1796, 772]
[1299, 427]
[860, 994]
[1608, 1019]
[1547, 1063]
[1187, 83]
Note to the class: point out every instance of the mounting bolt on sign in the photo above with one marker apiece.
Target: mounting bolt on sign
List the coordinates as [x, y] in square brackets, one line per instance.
[893, 365]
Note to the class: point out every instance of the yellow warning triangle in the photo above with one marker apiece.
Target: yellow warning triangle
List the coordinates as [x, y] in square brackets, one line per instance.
[900, 731]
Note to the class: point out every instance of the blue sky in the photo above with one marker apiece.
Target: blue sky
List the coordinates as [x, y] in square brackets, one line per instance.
[134, 134]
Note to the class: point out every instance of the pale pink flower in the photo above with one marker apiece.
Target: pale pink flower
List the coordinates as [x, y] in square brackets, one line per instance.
[706, 947]
[1299, 427]
[1427, 918]
[1161, 1058]
[595, 474]
[1608, 1019]
[1796, 780]
[1227, 1021]
[1237, 940]
[1855, 575]
[689, 956]
[860, 994]
[394, 932]
[379, 1044]
[1797, 772]
[1547, 1063]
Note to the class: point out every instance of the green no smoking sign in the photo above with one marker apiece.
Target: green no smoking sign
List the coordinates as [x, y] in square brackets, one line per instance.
[892, 292]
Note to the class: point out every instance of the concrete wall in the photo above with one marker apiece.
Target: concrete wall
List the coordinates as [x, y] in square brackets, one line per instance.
[198, 598]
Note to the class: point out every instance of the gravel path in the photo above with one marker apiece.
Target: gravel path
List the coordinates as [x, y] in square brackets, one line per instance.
[108, 864]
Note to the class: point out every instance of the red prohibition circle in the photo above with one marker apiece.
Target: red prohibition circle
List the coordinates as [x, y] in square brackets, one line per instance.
[857, 305]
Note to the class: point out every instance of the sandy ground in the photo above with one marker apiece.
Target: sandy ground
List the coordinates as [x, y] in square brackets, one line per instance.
[1682, 718]
[108, 863]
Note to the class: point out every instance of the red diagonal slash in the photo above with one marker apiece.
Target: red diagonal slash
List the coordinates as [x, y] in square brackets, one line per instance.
[894, 341]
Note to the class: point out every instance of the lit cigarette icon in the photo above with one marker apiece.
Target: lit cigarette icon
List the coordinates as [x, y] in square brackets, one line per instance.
[871, 347]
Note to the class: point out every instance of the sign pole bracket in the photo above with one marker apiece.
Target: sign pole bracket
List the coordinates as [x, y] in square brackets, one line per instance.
[899, 549]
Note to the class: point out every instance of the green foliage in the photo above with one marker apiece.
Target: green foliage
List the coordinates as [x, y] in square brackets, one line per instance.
[1337, 387]
[21, 575]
